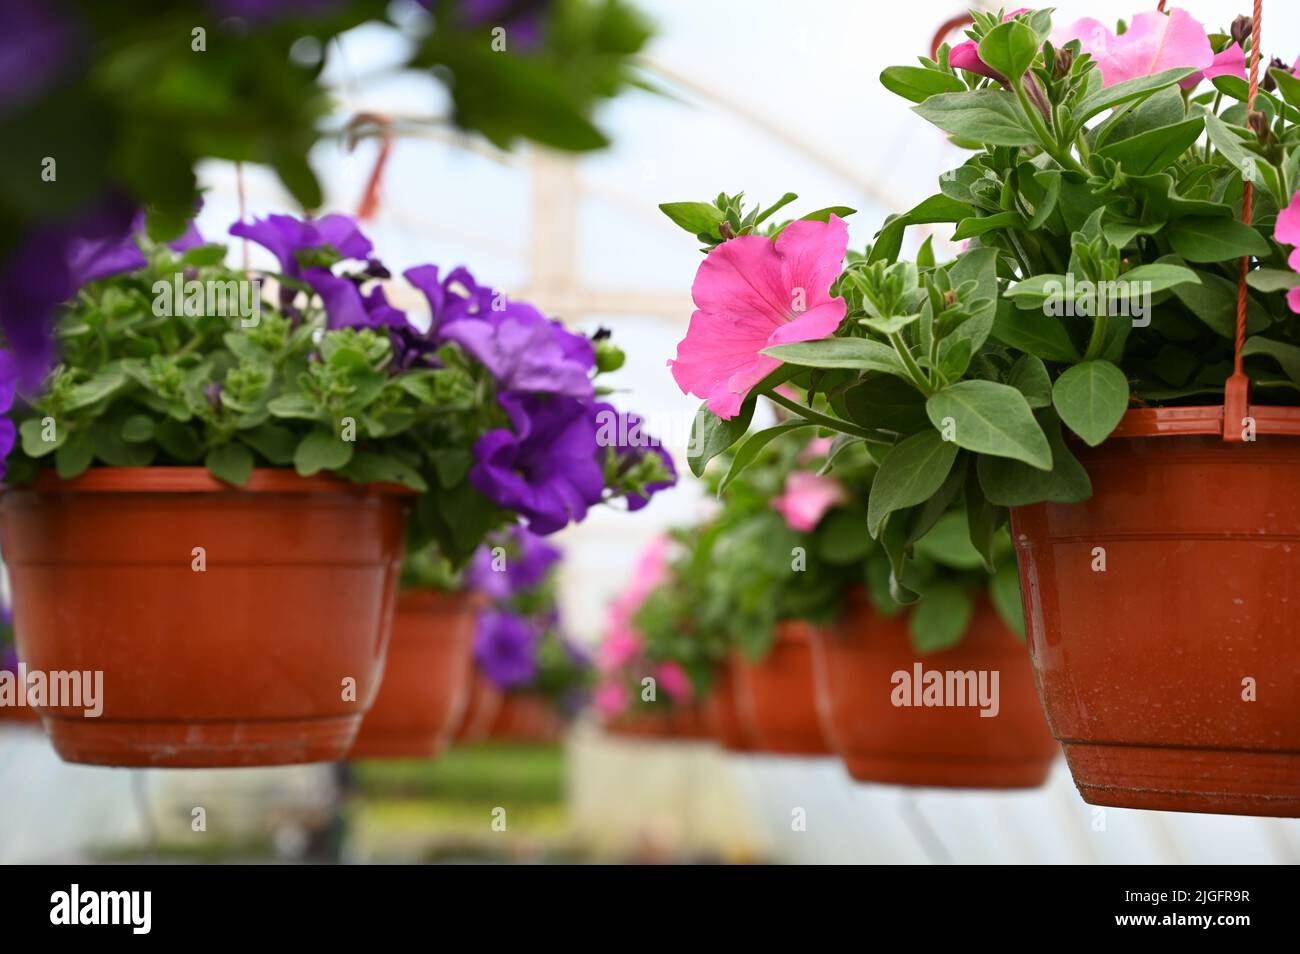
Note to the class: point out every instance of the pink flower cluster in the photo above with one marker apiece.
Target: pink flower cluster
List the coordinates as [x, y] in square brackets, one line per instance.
[623, 645]
[1287, 232]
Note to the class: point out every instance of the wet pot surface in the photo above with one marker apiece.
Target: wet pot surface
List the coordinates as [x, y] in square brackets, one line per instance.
[776, 697]
[866, 668]
[1164, 623]
[425, 687]
[231, 627]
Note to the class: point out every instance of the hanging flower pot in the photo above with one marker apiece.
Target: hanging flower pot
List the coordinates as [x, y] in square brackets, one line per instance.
[722, 712]
[941, 719]
[482, 704]
[526, 718]
[1160, 617]
[232, 626]
[425, 687]
[775, 697]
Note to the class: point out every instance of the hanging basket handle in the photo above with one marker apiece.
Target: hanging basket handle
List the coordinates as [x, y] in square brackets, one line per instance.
[1236, 392]
[946, 28]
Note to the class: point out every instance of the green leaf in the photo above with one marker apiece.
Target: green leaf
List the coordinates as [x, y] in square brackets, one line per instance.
[321, 450]
[711, 435]
[1029, 376]
[231, 462]
[1111, 96]
[912, 472]
[369, 468]
[824, 215]
[179, 440]
[1154, 149]
[273, 441]
[885, 402]
[1233, 148]
[979, 224]
[1269, 280]
[1288, 85]
[918, 84]
[990, 418]
[1009, 48]
[1004, 592]
[842, 537]
[941, 617]
[858, 354]
[948, 543]
[748, 452]
[1034, 333]
[32, 432]
[983, 519]
[991, 117]
[137, 429]
[1214, 240]
[1011, 483]
[1286, 355]
[75, 454]
[1091, 398]
[294, 406]
[694, 217]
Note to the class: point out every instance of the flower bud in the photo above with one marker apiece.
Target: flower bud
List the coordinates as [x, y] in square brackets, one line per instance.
[1258, 122]
[1062, 62]
[725, 230]
[1241, 29]
[1269, 83]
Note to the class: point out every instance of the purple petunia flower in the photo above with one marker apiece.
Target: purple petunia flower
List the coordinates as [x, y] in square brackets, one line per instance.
[523, 19]
[40, 275]
[624, 431]
[53, 263]
[546, 468]
[284, 236]
[505, 648]
[528, 558]
[451, 299]
[526, 352]
[36, 40]
[347, 307]
[263, 10]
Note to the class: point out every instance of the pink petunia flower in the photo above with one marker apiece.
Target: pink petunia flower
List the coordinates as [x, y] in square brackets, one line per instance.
[1287, 232]
[817, 447]
[966, 56]
[620, 646]
[674, 680]
[1153, 43]
[752, 293]
[610, 699]
[1231, 62]
[806, 499]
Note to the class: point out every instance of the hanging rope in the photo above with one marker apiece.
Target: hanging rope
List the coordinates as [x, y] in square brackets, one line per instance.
[369, 203]
[948, 27]
[1236, 392]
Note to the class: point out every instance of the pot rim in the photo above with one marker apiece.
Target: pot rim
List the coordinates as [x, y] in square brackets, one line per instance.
[194, 480]
[1203, 420]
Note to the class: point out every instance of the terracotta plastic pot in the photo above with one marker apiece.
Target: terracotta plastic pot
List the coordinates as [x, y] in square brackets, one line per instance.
[722, 712]
[776, 698]
[683, 724]
[1163, 619]
[232, 626]
[482, 704]
[858, 663]
[422, 698]
[526, 718]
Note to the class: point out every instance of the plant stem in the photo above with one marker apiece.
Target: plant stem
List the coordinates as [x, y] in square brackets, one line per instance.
[1098, 338]
[913, 369]
[824, 420]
